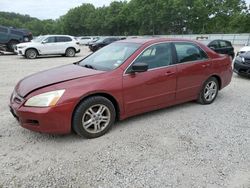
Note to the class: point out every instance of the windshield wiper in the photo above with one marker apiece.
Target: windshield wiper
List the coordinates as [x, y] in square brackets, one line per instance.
[89, 66]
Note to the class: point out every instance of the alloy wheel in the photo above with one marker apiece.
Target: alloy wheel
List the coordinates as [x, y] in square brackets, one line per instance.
[96, 118]
[210, 91]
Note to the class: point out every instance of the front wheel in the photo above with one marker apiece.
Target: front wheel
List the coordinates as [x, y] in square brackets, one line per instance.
[70, 52]
[31, 54]
[94, 117]
[209, 91]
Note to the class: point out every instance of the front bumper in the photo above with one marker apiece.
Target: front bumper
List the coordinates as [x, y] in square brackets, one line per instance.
[78, 51]
[242, 68]
[19, 51]
[53, 120]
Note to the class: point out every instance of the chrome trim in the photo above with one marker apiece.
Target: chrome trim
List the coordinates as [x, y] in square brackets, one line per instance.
[204, 60]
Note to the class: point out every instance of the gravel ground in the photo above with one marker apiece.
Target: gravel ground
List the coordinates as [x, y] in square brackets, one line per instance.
[188, 145]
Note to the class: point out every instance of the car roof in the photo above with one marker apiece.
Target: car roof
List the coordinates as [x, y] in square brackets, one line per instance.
[155, 40]
[58, 36]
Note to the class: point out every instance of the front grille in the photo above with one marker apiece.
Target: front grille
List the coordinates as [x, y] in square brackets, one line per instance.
[247, 61]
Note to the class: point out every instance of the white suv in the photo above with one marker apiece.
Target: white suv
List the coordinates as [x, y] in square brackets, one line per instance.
[49, 45]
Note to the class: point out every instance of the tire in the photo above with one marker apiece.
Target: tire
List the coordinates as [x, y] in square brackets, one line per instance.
[209, 91]
[70, 52]
[11, 45]
[31, 54]
[96, 124]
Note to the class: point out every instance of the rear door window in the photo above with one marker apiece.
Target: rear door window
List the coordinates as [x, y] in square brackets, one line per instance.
[63, 39]
[225, 44]
[3, 30]
[187, 52]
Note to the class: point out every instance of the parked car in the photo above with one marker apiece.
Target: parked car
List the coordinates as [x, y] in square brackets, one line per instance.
[244, 50]
[242, 64]
[85, 40]
[102, 42]
[9, 37]
[49, 45]
[123, 79]
[222, 47]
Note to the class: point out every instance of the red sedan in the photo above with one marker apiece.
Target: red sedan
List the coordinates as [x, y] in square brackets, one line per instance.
[123, 79]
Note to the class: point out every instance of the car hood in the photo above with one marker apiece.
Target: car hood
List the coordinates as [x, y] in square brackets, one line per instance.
[246, 55]
[52, 76]
[245, 49]
[27, 44]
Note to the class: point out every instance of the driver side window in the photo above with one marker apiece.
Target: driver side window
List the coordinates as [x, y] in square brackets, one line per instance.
[49, 40]
[159, 55]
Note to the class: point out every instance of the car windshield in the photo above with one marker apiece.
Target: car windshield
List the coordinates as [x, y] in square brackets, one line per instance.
[110, 57]
[100, 39]
[39, 39]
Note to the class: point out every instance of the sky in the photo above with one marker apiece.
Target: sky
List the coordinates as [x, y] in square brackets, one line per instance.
[48, 9]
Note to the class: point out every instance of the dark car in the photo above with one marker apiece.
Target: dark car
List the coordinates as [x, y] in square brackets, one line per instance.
[102, 42]
[242, 64]
[121, 80]
[9, 37]
[222, 47]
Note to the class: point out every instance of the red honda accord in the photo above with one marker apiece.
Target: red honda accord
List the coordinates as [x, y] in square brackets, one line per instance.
[123, 79]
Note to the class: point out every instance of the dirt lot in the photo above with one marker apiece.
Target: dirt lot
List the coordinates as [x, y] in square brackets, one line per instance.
[188, 145]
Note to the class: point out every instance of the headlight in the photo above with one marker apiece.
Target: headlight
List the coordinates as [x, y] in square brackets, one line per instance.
[45, 99]
[243, 59]
[21, 47]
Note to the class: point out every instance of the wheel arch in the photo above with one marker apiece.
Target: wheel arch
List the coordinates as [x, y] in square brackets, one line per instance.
[102, 94]
[69, 48]
[218, 79]
[33, 48]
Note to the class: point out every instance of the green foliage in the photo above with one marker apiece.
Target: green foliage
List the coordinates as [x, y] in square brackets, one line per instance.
[142, 17]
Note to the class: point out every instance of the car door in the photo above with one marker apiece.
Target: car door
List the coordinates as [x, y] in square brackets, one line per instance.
[48, 46]
[154, 88]
[62, 43]
[193, 66]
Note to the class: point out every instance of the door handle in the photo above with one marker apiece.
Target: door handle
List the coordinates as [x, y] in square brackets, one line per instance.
[206, 66]
[169, 73]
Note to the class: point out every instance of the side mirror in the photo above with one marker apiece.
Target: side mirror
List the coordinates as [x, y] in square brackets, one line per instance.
[139, 67]
[44, 42]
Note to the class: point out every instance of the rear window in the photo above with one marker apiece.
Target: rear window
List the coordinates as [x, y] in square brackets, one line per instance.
[189, 52]
[63, 39]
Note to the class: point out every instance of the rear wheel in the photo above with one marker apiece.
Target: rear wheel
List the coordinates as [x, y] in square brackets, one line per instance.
[31, 54]
[70, 52]
[94, 117]
[209, 91]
